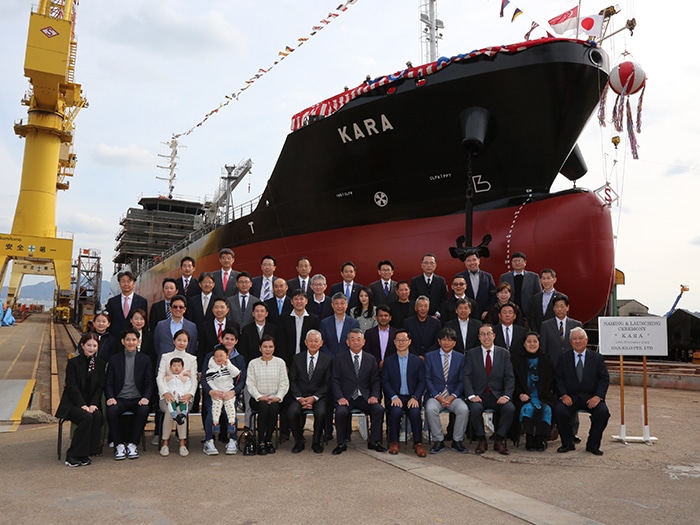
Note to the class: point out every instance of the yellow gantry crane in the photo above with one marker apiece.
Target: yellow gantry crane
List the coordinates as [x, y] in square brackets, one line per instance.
[34, 246]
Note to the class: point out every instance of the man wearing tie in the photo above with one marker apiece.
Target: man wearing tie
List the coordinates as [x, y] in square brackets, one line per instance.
[263, 284]
[309, 385]
[161, 310]
[356, 385]
[509, 335]
[556, 332]
[241, 303]
[199, 307]
[279, 305]
[225, 279]
[303, 280]
[429, 284]
[384, 289]
[348, 286]
[187, 285]
[582, 381]
[488, 384]
[466, 328]
[121, 306]
[541, 303]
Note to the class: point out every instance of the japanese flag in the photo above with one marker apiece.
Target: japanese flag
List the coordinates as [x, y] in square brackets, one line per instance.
[591, 25]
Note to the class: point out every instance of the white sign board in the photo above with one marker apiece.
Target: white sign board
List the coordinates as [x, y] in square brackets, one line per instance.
[632, 336]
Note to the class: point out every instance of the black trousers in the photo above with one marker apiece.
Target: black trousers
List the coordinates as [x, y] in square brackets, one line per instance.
[297, 418]
[87, 433]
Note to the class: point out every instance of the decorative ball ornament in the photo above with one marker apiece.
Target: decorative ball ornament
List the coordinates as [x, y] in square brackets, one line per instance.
[628, 77]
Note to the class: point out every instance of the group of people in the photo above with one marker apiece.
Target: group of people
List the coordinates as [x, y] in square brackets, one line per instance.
[285, 350]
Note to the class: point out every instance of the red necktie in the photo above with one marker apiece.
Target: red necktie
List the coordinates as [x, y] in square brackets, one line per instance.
[221, 331]
[489, 366]
[225, 281]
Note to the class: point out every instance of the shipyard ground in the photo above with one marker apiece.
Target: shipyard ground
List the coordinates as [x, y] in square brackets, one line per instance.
[630, 484]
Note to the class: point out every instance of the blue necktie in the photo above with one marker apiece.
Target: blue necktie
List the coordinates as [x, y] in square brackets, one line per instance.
[280, 302]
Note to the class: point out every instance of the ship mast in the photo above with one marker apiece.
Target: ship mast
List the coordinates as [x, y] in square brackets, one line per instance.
[430, 34]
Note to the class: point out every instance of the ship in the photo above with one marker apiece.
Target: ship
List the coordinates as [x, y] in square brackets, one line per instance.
[422, 160]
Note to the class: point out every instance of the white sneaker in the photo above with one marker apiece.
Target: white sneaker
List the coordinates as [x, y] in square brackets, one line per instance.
[120, 452]
[231, 447]
[132, 451]
[210, 448]
[183, 451]
[164, 451]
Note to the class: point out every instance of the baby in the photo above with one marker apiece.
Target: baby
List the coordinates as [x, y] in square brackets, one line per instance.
[220, 377]
[179, 382]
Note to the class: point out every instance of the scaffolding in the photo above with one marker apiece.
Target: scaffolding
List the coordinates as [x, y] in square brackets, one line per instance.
[88, 286]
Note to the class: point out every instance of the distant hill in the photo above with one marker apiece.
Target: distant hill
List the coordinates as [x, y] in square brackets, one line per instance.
[43, 293]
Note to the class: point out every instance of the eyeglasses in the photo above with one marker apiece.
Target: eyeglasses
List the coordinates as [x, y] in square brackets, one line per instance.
[486, 334]
[401, 340]
[459, 284]
[177, 307]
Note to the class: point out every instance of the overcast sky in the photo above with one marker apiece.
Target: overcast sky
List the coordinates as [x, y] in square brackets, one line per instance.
[151, 68]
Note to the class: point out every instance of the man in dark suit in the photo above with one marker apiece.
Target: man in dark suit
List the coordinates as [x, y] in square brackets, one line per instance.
[555, 333]
[336, 328]
[160, 310]
[509, 335]
[279, 305]
[384, 289]
[404, 307]
[303, 279]
[252, 334]
[225, 278]
[348, 286]
[582, 381]
[480, 284]
[466, 328]
[403, 380]
[129, 387]
[211, 330]
[356, 385]
[296, 325]
[429, 284]
[309, 385]
[263, 284]
[379, 340]
[241, 303]
[444, 385]
[319, 302]
[423, 328]
[167, 328]
[120, 307]
[187, 285]
[199, 306]
[458, 292]
[541, 307]
[489, 384]
[524, 284]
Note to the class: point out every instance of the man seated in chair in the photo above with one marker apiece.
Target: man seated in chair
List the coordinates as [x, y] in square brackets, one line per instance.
[128, 388]
[356, 385]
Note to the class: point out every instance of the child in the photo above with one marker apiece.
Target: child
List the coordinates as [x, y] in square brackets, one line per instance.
[179, 382]
[220, 377]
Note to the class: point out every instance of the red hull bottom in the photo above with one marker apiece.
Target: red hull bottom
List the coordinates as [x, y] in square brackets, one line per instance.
[570, 232]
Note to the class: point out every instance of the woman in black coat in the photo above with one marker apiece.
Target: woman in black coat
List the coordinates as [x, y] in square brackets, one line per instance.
[80, 402]
[534, 392]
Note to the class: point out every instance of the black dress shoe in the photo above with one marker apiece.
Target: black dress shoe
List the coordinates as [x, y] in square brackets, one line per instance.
[577, 440]
[595, 452]
[566, 448]
[262, 449]
[317, 448]
[339, 449]
[376, 446]
[270, 447]
[298, 447]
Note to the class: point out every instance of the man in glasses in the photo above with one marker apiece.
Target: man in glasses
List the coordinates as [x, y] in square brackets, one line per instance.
[165, 329]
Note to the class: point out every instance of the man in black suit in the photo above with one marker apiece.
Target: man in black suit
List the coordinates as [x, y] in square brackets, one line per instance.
[296, 325]
[524, 284]
[379, 340]
[225, 278]
[128, 387]
[279, 305]
[480, 284]
[448, 309]
[488, 384]
[160, 310]
[187, 285]
[582, 381]
[241, 303]
[251, 334]
[404, 307]
[348, 286]
[303, 279]
[211, 330]
[309, 385]
[384, 289]
[319, 302]
[466, 328]
[541, 307]
[356, 385]
[429, 284]
[509, 335]
[263, 284]
[423, 328]
[555, 333]
[199, 306]
[120, 307]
